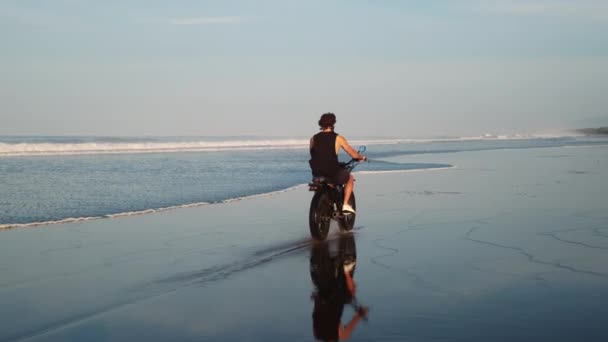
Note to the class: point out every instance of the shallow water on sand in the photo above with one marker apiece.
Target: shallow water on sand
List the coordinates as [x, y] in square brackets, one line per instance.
[509, 245]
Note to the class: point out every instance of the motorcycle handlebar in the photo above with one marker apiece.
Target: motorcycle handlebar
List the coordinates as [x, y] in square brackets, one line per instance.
[353, 162]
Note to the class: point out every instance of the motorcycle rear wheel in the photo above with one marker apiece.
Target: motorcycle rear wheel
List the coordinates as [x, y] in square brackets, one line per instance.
[319, 217]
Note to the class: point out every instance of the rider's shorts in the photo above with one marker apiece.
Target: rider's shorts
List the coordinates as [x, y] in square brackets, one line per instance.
[341, 177]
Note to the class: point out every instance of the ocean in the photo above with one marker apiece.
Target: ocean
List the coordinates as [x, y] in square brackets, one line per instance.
[46, 180]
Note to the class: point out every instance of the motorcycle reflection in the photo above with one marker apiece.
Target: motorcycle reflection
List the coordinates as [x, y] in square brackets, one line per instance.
[332, 268]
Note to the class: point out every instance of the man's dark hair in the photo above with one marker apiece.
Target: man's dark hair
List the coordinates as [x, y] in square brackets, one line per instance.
[327, 120]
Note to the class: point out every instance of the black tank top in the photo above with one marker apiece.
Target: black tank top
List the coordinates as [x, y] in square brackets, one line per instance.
[323, 158]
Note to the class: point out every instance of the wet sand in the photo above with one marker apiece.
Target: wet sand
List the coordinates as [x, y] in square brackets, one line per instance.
[509, 245]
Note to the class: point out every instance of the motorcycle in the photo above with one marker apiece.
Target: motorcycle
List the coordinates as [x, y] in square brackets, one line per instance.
[326, 204]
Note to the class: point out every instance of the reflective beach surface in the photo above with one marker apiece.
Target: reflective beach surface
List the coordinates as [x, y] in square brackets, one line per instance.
[508, 245]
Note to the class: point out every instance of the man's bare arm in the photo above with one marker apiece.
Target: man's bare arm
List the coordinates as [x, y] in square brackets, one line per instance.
[342, 143]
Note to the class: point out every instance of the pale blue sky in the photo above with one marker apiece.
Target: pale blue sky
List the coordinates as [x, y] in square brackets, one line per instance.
[394, 68]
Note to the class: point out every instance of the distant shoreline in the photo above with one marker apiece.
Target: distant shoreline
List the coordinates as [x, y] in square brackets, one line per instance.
[594, 131]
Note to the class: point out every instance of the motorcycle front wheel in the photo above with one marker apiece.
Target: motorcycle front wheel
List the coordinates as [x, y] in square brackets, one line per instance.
[347, 222]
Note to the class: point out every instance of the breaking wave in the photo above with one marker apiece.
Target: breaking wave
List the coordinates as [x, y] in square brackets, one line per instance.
[49, 148]
[32, 146]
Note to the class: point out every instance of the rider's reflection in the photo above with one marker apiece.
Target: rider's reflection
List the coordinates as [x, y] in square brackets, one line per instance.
[332, 267]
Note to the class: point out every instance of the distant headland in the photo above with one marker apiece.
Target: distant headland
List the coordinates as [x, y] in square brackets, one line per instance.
[594, 131]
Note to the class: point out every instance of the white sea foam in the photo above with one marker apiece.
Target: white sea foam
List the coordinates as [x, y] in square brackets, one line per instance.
[42, 223]
[8, 149]
[150, 211]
